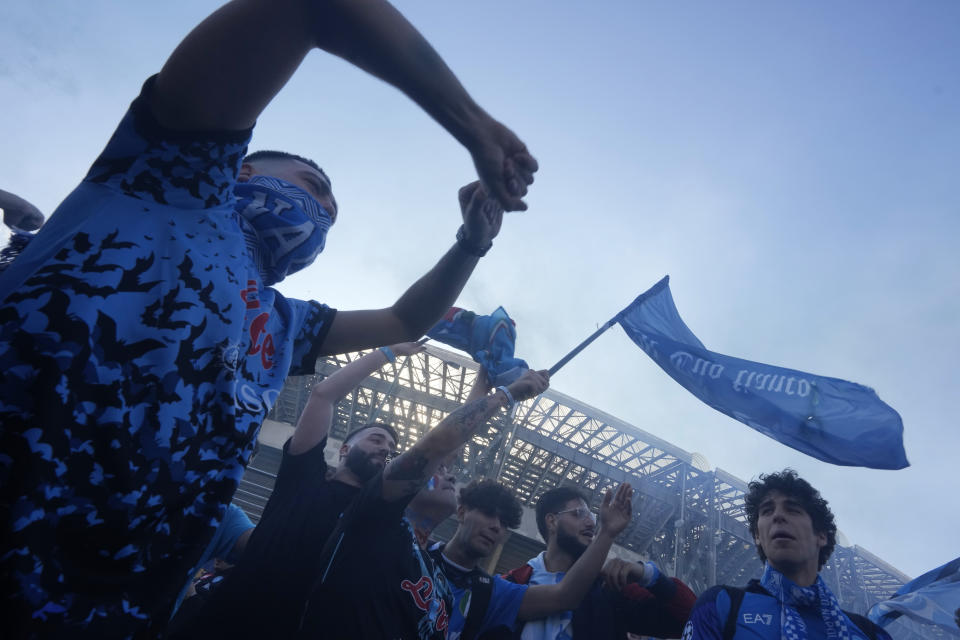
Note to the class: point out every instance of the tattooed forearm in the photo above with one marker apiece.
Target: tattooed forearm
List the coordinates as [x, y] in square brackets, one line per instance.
[468, 418]
[411, 471]
[412, 465]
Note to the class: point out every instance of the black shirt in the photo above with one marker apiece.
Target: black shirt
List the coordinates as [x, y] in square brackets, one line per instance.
[263, 596]
[380, 583]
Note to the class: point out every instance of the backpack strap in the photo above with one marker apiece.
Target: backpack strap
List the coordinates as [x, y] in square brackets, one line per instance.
[736, 599]
[481, 591]
[864, 624]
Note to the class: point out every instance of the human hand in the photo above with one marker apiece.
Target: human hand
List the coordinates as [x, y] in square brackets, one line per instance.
[529, 385]
[618, 573]
[407, 348]
[503, 164]
[482, 215]
[20, 214]
[616, 509]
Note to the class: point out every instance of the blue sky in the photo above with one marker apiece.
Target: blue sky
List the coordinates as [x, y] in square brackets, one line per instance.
[792, 166]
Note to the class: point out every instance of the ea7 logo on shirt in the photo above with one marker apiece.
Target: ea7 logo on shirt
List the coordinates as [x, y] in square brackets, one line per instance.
[758, 618]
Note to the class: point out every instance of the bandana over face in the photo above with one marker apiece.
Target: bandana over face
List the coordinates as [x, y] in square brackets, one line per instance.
[286, 228]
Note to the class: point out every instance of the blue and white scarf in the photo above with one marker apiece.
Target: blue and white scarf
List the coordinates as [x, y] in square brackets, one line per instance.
[285, 227]
[791, 596]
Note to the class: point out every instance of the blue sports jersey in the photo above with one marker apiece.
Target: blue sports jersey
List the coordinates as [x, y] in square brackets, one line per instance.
[139, 354]
[234, 524]
[757, 619]
[502, 610]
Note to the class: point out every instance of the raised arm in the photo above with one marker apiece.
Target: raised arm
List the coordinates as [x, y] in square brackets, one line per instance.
[408, 473]
[543, 600]
[428, 298]
[226, 71]
[317, 417]
[18, 213]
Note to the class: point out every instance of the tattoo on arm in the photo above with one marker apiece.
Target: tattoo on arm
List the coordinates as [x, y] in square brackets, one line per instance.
[472, 416]
[412, 465]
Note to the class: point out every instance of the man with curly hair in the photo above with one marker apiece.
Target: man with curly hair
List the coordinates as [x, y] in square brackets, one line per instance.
[795, 533]
[490, 607]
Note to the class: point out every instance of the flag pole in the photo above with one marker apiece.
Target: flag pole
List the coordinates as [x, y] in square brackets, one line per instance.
[583, 345]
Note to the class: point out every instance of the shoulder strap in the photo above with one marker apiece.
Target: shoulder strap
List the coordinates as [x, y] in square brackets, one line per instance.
[864, 624]
[736, 599]
[481, 590]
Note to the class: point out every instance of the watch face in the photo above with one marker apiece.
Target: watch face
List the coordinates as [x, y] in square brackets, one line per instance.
[469, 247]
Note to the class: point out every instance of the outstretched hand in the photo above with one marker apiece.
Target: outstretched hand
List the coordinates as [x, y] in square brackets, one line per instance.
[616, 510]
[482, 215]
[529, 385]
[407, 348]
[618, 573]
[18, 213]
[504, 165]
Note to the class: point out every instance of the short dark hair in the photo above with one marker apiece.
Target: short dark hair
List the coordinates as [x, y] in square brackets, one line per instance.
[370, 425]
[493, 499]
[553, 500]
[268, 154]
[790, 484]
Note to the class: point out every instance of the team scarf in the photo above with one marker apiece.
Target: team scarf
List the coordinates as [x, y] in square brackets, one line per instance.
[285, 227]
[791, 596]
[553, 627]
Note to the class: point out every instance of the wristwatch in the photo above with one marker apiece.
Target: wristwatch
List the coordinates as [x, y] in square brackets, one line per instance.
[469, 247]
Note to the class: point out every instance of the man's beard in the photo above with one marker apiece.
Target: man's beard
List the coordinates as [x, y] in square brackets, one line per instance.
[570, 544]
[361, 464]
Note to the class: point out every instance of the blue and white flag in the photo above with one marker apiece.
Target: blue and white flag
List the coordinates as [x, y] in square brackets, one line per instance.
[933, 598]
[830, 419]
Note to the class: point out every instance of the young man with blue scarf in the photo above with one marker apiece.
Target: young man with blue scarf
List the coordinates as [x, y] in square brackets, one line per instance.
[141, 339]
[795, 534]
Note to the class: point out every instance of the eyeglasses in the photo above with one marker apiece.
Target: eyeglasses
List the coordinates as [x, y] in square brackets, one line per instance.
[580, 513]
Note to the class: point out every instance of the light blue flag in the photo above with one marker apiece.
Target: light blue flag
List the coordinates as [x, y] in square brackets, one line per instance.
[830, 419]
[933, 598]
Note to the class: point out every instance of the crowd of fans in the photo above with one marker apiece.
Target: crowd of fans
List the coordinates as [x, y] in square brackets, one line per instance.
[141, 340]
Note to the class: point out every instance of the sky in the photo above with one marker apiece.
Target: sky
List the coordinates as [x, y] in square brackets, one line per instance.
[792, 166]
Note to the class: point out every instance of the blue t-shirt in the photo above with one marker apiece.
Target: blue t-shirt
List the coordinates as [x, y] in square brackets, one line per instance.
[505, 600]
[233, 525]
[139, 354]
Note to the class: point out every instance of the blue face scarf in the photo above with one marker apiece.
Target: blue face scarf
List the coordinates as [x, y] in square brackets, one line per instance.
[286, 228]
[791, 596]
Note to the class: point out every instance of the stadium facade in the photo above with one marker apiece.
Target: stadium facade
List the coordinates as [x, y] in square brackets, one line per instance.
[688, 519]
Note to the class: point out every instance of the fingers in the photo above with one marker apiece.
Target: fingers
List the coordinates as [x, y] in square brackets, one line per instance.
[622, 577]
[466, 194]
[526, 163]
[607, 499]
[407, 348]
[499, 191]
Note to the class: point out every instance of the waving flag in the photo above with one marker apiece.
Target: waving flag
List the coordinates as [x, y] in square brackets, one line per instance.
[830, 419]
[490, 341]
[933, 598]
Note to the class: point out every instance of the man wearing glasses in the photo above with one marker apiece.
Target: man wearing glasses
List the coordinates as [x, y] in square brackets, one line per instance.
[628, 597]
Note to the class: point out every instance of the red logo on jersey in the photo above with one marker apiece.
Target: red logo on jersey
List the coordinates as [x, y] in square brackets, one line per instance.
[421, 591]
[258, 327]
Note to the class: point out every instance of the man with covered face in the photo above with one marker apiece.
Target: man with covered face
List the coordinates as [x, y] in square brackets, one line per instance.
[141, 343]
[628, 597]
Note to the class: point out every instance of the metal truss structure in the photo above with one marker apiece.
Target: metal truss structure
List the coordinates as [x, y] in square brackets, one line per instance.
[687, 518]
